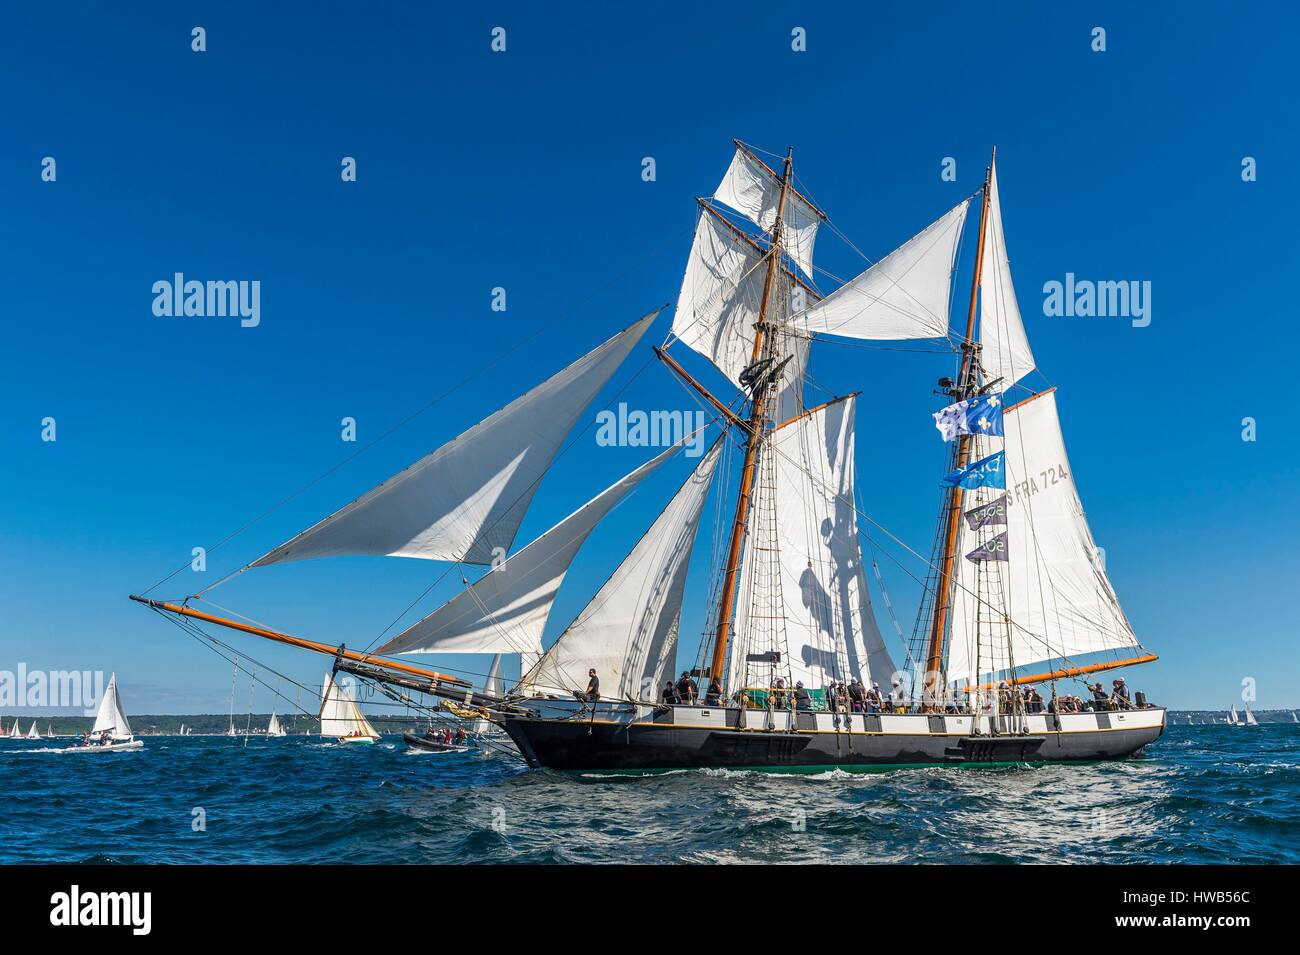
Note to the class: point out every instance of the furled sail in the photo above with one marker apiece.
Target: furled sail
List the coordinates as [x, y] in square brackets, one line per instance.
[751, 188]
[1054, 584]
[830, 632]
[904, 295]
[465, 501]
[110, 716]
[339, 714]
[1005, 350]
[629, 630]
[505, 610]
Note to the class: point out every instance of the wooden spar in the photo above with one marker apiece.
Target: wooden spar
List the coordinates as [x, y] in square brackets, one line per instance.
[803, 414]
[681, 372]
[300, 642]
[727, 602]
[1069, 672]
[966, 376]
[704, 204]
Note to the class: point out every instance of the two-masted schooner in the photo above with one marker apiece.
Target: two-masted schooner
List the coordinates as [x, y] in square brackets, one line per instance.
[792, 665]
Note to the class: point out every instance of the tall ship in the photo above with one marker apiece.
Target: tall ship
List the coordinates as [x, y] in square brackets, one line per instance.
[1018, 615]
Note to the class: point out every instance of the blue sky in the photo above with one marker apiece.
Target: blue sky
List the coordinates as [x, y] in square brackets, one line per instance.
[522, 170]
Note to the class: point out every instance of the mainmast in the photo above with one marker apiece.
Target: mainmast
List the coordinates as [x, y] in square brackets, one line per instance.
[967, 385]
[757, 429]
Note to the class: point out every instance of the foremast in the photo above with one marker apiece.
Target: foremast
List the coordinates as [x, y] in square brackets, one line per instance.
[967, 384]
[764, 347]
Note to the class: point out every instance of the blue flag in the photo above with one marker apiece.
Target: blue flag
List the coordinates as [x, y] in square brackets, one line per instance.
[986, 472]
[978, 415]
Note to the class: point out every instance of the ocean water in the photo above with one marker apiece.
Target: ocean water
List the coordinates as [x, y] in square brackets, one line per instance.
[1202, 794]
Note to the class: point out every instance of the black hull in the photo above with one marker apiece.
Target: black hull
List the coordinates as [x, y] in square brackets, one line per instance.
[579, 745]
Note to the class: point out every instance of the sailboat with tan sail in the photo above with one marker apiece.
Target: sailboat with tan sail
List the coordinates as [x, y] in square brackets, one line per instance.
[792, 661]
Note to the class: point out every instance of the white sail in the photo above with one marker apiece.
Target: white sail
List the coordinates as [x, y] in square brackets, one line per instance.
[14, 731]
[629, 630]
[1232, 717]
[33, 733]
[722, 290]
[830, 630]
[274, 728]
[110, 716]
[1250, 717]
[1005, 350]
[465, 501]
[1054, 584]
[904, 295]
[505, 610]
[339, 714]
[494, 684]
[752, 189]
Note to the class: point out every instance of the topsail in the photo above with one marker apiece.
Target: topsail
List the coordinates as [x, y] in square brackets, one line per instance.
[1005, 354]
[465, 501]
[753, 189]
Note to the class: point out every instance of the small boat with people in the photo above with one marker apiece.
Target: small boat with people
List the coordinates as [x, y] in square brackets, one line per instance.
[340, 717]
[112, 731]
[437, 741]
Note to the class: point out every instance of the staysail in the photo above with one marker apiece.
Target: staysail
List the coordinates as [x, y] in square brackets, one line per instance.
[830, 630]
[1004, 354]
[339, 714]
[629, 630]
[505, 610]
[465, 501]
[904, 295]
[1057, 595]
[110, 716]
[754, 190]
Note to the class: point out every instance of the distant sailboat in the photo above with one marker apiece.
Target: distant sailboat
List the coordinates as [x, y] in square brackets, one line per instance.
[341, 718]
[33, 733]
[274, 728]
[14, 731]
[1293, 719]
[1250, 717]
[111, 725]
[1233, 718]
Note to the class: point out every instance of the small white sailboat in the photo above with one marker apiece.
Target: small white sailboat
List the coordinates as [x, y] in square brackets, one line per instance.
[1250, 717]
[341, 718]
[33, 733]
[274, 728]
[14, 731]
[1233, 718]
[111, 732]
[1293, 719]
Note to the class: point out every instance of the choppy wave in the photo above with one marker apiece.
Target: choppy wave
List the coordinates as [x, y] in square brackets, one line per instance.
[1202, 794]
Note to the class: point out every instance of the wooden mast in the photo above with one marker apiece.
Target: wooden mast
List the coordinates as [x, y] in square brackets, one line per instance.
[965, 388]
[757, 415]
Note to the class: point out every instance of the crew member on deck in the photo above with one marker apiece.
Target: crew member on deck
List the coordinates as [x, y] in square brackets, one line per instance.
[802, 698]
[687, 689]
[874, 700]
[593, 689]
[1119, 695]
[778, 693]
[857, 696]
[669, 695]
[714, 695]
[1100, 701]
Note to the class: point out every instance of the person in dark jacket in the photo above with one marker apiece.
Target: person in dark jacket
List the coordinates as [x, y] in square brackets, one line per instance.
[686, 689]
[713, 697]
[802, 698]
